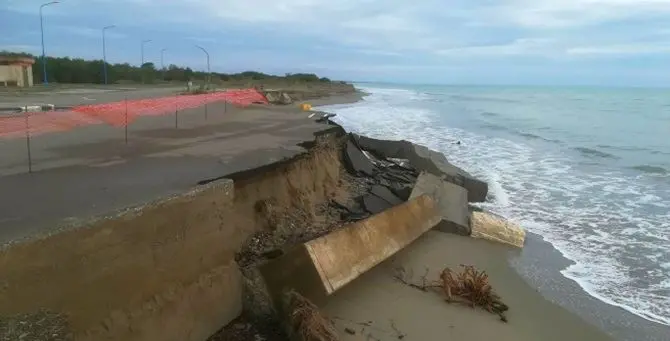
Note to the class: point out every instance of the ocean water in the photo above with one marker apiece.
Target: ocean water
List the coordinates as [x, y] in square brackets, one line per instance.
[588, 169]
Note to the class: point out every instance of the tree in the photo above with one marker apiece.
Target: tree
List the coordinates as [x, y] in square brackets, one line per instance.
[77, 70]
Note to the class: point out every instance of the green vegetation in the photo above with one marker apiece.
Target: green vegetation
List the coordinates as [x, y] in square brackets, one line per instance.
[76, 70]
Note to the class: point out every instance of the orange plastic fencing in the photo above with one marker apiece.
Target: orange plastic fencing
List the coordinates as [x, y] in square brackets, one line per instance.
[118, 113]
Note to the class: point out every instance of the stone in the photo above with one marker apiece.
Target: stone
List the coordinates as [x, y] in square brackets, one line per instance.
[451, 200]
[375, 204]
[386, 194]
[425, 159]
[325, 118]
[356, 160]
[284, 98]
[272, 97]
[401, 191]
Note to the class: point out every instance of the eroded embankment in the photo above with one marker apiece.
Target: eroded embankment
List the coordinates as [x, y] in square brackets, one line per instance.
[166, 270]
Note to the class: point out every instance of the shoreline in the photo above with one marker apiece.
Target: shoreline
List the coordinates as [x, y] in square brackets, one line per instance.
[541, 269]
[541, 264]
[378, 297]
[289, 125]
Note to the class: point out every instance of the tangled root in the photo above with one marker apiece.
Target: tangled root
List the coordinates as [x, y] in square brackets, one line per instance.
[305, 322]
[472, 286]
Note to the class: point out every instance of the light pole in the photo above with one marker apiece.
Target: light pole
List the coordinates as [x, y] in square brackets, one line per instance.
[104, 52]
[162, 52]
[163, 65]
[44, 61]
[142, 49]
[208, 72]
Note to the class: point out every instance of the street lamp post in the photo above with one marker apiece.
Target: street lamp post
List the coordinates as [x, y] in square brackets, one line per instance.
[209, 75]
[162, 64]
[142, 50]
[104, 52]
[44, 61]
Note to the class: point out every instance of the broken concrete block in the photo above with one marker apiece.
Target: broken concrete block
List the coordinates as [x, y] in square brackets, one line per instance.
[401, 191]
[357, 162]
[375, 204]
[452, 203]
[385, 194]
[318, 268]
[492, 227]
[428, 160]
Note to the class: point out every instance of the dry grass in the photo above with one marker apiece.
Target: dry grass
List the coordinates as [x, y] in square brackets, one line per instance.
[470, 287]
[305, 321]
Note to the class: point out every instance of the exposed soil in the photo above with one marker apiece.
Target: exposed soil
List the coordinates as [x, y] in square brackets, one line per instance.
[42, 325]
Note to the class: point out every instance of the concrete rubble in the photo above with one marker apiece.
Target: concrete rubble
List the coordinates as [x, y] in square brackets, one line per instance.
[452, 203]
[425, 159]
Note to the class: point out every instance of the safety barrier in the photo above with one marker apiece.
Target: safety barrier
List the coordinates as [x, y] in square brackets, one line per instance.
[119, 113]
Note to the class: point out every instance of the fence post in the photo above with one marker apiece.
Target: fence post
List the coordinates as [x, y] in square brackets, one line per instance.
[176, 111]
[30, 156]
[126, 121]
[206, 104]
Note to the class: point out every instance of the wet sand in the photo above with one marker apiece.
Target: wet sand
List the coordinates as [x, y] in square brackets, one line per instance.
[378, 307]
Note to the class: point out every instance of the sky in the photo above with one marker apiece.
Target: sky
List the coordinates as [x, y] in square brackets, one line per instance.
[525, 42]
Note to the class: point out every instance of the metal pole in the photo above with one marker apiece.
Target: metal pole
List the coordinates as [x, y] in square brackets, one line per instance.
[45, 81]
[176, 112]
[209, 75]
[144, 42]
[30, 157]
[142, 73]
[104, 52]
[162, 64]
[126, 120]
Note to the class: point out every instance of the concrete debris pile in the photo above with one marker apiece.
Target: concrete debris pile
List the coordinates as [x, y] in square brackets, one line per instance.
[277, 97]
[397, 171]
[386, 182]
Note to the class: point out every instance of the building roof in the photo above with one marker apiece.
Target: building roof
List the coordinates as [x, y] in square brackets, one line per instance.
[16, 60]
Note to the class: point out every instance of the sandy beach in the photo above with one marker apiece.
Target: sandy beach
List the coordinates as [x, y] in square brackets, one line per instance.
[379, 307]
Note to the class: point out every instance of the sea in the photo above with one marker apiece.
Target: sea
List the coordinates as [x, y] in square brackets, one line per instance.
[587, 169]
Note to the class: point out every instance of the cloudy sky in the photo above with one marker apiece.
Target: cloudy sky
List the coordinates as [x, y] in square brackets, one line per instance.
[564, 42]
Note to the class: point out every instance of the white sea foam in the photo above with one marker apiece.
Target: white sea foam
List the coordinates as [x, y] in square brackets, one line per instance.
[605, 222]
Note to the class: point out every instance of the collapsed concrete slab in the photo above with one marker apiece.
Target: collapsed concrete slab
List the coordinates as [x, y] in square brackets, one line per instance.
[425, 159]
[452, 203]
[356, 161]
[489, 226]
[320, 267]
[385, 194]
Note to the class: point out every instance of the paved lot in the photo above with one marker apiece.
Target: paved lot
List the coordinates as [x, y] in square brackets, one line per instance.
[82, 95]
[91, 171]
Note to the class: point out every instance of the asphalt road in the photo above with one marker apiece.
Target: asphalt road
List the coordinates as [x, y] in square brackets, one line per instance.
[91, 171]
[67, 97]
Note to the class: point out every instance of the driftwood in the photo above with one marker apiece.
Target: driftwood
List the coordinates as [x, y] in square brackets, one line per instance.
[470, 287]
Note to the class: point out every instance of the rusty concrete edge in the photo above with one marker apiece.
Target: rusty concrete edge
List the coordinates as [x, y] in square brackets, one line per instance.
[328, 285]
[126, 212]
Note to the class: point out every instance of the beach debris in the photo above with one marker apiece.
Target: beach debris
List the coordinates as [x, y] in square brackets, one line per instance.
[305, 321]
[470, 287]
[486, 225]
[452, 203]
[386, 194]
[350, 331]
[356, 161]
